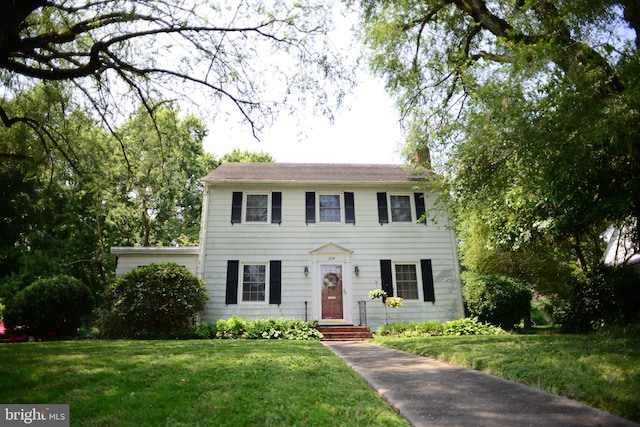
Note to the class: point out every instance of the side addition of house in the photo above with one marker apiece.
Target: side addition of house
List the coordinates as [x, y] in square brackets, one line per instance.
[309, 241]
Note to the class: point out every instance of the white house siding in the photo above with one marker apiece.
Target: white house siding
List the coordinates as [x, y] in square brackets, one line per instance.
[292, 242]
[130, 258]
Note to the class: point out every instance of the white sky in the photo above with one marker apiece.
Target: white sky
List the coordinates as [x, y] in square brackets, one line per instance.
[366, 131]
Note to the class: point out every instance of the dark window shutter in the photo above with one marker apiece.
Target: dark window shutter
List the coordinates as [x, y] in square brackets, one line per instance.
[231, 295]
[349, 209]
[275, 282]
[236, 207]
[383, 212]
[276, 207]
[427, 280]
[310, 205]
[420, 209]
[386, 276]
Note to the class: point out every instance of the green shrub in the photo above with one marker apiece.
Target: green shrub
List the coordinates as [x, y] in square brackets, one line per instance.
[233, 328]
[608, 296]
[411, 329]
[498, 300]
[53, 306]
[544, 310]
[206, 330]
[470, 326]
[156, 301]
[436, 328]
[302, 331]
[238, 328]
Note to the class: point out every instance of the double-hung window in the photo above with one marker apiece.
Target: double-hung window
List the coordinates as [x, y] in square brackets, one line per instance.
[400, 208]
[257, 208]
[329, 208]
[406, 281]
[253, 282]
[254, 279]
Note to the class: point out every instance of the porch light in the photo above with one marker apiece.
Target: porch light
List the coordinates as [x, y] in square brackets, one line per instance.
[306, 270]
[357, 271]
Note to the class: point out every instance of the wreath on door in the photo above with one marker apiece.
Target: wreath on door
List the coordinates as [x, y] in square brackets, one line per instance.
[331, 280]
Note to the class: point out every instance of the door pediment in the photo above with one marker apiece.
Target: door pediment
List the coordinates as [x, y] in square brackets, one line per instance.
[330, 248]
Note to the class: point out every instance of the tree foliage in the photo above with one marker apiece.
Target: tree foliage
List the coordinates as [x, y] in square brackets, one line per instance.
[499, 300]
[531, 107]
[605, 296]
[544, 265]
[52, 202]
[153, 179]
[64, 208]
[238, 156]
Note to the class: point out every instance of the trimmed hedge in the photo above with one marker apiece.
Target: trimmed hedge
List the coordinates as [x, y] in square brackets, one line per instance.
[156, 301]
[54, 306]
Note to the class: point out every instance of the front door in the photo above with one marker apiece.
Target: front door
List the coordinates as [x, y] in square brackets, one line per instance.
[331, 282]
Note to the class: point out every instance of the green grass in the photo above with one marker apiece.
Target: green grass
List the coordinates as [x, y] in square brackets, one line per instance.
[191, 383]
[600, 370]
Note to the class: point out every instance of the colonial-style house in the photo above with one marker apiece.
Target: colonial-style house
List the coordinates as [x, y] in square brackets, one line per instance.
[309, 241]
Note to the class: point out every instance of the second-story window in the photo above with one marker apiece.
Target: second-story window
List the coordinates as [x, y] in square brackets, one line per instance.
[329, 206]
[252, 207]
[400, 208]
[257, 208]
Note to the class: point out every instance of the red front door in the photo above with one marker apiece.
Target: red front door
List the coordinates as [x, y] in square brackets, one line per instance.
[331, 282]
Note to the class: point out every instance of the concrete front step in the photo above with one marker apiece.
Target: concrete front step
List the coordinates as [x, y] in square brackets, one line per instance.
[345, 333]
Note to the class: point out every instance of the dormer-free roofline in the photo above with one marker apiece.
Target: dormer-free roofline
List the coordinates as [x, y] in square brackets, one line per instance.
[316, 173]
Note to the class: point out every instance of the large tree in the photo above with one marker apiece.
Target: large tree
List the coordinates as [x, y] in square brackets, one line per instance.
[152, 186]
[63, 209]
[534, 105]
[52, 212]
[250, 56]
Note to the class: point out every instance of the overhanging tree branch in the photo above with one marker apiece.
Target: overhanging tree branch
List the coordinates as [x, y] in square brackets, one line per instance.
[67, 40]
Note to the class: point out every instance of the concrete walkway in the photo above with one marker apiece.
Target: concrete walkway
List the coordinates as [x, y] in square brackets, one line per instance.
[432, 393]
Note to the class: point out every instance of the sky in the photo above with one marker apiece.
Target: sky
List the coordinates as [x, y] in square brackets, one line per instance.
[366, 130]
[367, 133]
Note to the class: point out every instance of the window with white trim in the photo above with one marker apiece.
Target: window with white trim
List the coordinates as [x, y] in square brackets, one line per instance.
[400, 208]
[254, 279]
[406, 281]
[257, 208]
[329, 208]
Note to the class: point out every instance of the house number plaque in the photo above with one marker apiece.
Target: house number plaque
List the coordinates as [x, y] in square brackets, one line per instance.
[331, 258]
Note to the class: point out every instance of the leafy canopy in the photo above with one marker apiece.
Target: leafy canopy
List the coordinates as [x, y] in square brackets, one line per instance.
[530, 107]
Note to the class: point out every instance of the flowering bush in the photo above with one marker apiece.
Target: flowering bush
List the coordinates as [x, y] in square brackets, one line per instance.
[377, 293]
[394, 302]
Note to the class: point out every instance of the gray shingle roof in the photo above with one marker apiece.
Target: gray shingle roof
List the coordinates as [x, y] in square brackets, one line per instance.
[311, 172]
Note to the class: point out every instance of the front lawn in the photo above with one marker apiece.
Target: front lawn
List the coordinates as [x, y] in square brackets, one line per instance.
[600, 370]
[191, 383]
